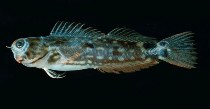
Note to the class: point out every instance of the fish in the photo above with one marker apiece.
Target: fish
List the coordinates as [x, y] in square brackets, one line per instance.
[71, 46]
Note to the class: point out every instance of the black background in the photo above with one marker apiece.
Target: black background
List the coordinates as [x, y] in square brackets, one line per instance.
[163, 85]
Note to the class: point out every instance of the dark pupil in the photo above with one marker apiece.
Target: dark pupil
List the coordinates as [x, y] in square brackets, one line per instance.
[20, 43]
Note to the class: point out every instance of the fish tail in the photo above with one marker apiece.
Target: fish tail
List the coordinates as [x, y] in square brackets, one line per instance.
[178, 50]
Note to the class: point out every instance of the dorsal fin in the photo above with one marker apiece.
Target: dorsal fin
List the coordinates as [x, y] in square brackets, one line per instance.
[66, 29]
[126, 34]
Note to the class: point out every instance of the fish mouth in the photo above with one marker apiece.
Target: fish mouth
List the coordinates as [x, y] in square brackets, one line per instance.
[20, 59]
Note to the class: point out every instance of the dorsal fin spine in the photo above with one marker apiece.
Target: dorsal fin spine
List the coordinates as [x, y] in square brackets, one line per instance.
[112, 31]
[73, 29]
[122, 32]
[53, 29]
[61, 31]
[66, 31]
[77, 28]
[117, 30]
[57, 30]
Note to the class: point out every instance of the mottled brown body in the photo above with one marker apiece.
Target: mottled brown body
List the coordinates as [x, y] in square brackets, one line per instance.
[105, 54]
[70, 47]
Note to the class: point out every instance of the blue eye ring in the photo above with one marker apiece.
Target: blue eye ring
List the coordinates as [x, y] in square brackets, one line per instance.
[20, 43]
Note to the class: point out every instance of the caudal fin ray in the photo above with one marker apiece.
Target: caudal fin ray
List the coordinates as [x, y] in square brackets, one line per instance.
[180, 50]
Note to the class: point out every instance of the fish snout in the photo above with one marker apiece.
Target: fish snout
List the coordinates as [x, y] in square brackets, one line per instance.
[19, 59]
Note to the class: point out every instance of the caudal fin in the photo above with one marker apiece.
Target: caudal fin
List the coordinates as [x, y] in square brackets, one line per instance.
[179, 50]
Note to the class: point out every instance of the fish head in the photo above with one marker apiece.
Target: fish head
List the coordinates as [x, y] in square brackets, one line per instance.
[28, 50]
[19, 48]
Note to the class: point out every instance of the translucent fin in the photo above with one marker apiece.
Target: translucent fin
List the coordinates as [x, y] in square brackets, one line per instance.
[53, 74]
[126, 34]
[66, 29]
[127, 67]
[180, 50]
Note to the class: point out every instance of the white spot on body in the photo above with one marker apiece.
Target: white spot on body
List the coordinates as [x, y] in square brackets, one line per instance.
[143, 56]
[132, 50]
[83, 41]
[147, 60]
[121, 49]
[89, 50]
[168, 50]
[120, 58]
[89, 61]
[132, 58]
[110, 58]
[89, 56]
[99, 37]
[110, 50]
[99, 48]
[79, 62]
[139, 44]
[114, 42]
[100, 57]
[56, 56]
[90, 42]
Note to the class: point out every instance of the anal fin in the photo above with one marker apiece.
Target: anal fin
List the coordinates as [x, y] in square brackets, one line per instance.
[127, 67]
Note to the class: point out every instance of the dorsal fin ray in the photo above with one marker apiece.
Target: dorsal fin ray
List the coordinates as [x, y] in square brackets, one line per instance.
[126, 34]
[66, 29]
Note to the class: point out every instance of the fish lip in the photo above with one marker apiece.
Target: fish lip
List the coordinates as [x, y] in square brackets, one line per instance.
[20, 59]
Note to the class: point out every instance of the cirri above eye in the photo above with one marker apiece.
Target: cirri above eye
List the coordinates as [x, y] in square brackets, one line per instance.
[20, 43]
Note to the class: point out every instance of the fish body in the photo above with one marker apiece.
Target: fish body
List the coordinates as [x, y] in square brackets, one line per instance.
[69, 47]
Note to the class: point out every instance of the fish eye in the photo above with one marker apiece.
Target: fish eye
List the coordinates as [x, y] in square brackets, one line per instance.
[20, 43]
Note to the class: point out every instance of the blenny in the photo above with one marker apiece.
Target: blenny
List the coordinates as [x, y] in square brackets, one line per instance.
[70, 46]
